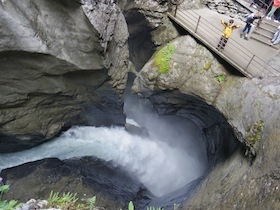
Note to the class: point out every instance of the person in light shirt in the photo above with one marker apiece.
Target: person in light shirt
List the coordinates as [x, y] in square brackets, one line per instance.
[276, 38]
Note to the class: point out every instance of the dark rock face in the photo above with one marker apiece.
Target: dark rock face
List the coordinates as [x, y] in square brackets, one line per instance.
[249, 110]
[148, 28]
[52, 27]
[56, 71]
[86, 176]
[220, 140]
[136, 130]
[141, 46]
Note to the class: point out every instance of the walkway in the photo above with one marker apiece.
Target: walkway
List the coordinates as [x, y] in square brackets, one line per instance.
[248, 57]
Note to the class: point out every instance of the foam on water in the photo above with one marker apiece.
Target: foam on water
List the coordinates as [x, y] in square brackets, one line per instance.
[162, 168]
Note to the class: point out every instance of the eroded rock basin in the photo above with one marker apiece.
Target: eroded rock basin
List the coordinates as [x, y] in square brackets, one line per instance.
[160, 169]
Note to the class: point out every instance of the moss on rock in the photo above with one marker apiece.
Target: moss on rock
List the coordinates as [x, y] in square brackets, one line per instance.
[163, 57]
[253, 138]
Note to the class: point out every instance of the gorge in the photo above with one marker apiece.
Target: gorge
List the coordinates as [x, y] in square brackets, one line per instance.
[81, 96]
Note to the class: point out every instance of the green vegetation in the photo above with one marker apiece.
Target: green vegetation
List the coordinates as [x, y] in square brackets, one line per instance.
[253, 137]
[91, 202]
[208, 66]
[220, 78]
[163, 57]
[4, 204]
[153, 208]
[130, 206]
[67, 201]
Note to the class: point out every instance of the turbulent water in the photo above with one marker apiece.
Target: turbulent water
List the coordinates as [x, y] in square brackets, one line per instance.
[170, 157]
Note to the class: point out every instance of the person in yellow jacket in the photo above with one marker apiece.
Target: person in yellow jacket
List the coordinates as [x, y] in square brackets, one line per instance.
[226, 33]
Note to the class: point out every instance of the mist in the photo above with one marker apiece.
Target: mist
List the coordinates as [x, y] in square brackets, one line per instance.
[171, 156]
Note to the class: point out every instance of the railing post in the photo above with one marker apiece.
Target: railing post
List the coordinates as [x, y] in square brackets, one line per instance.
[197, 24]
[177, 3]
[249, 62]
[176, 10]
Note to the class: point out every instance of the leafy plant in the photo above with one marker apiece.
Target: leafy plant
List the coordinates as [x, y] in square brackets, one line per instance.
[3, 189]
[220, 78]
[163, 57]
[11, 205]
[53, 198]
[4, 204]
[91, 202]
[153, 208]
[130, 206]
[66, 201]
[254, 136]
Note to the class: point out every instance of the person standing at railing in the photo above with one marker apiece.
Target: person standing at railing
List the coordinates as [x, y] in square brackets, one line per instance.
[249, 23]
[228, 29]
[275, 6]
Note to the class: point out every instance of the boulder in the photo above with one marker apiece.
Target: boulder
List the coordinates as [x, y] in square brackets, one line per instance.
[86, 177]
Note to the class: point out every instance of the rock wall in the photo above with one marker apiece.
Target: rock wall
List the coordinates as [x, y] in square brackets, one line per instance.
[85, 177]
[59, 68]
[249, 106]
[148, 28]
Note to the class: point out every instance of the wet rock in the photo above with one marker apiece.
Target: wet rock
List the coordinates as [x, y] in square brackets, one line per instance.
[136, 130]
[228, 7]
[249, 106]
[67, 71]
[86, 176]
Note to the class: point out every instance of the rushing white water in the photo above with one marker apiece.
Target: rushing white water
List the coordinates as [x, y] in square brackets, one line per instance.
[160, 166]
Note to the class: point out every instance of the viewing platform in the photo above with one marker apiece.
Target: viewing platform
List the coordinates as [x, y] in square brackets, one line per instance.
[250, 57]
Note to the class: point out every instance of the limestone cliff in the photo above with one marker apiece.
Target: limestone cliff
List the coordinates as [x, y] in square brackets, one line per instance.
[59, 68]
[250, 107]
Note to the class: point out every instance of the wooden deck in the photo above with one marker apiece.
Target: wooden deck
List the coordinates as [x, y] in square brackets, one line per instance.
[241, 58]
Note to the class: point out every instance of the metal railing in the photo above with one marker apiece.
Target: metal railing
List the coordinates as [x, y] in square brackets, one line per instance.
[261, 5]
[234, 53]
[176, 3]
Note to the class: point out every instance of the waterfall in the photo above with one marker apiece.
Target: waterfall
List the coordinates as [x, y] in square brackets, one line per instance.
[160, 166]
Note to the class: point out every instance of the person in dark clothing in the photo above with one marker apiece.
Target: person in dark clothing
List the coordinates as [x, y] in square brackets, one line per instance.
[249, 23]
[275, 6]
[277, 16]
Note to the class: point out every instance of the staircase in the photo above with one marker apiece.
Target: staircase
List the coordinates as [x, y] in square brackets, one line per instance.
[265, 31]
